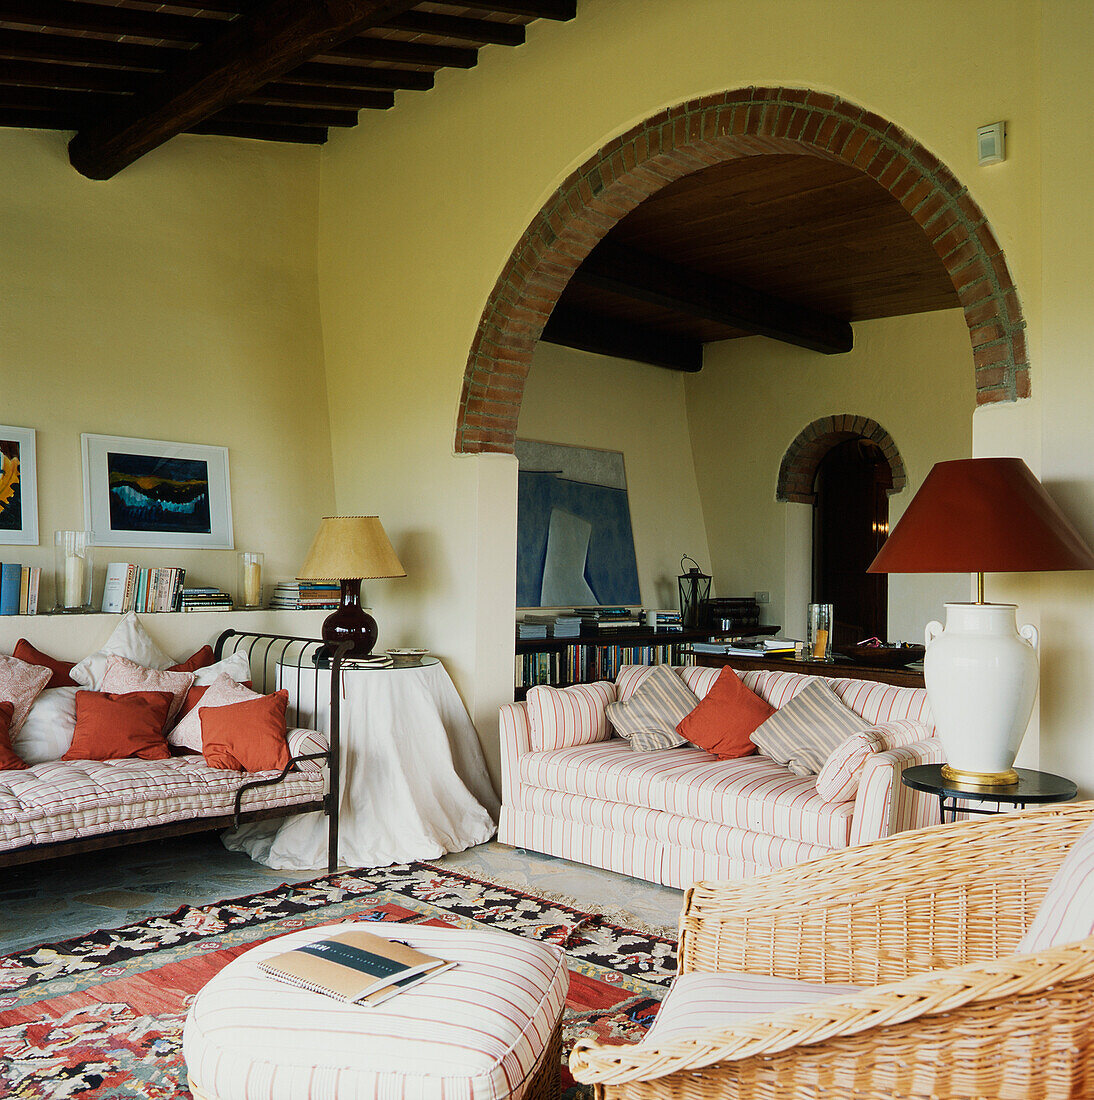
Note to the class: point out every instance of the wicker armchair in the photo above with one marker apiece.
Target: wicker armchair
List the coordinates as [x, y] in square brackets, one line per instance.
[929, 920]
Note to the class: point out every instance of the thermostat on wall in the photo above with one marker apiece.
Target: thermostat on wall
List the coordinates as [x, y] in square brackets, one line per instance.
[991, 143]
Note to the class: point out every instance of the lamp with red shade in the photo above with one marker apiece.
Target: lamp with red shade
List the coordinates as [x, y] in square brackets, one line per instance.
[981, 515]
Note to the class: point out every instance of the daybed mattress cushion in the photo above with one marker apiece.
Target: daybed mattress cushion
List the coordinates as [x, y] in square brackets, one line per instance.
[59, 800]
[751, 792]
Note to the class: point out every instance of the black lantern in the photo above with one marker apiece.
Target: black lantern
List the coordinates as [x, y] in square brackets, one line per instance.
[694, 589]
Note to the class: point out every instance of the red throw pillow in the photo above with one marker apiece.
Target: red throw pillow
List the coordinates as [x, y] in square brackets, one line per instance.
[725, 717]
[202, 659]
[62, 670]
[8, 760]
[115, 727]
[246, 737]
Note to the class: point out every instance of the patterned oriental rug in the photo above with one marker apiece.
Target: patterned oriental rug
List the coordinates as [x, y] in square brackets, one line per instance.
[102, 1015]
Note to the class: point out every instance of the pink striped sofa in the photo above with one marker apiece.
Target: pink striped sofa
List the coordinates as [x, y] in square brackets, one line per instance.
[675, 816]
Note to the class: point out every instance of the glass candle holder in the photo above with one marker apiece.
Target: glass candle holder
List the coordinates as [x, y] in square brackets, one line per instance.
[73, 561]
[250, 579]
[820, 631]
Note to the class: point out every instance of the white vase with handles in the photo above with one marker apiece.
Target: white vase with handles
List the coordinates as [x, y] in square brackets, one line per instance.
[981, 674]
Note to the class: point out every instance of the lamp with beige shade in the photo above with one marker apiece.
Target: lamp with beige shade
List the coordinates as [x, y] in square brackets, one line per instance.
[350, 549]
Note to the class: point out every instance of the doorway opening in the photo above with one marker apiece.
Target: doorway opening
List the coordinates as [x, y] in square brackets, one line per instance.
[850, 522]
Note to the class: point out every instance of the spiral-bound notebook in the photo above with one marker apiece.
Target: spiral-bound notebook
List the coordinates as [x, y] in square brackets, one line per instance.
[354, 966]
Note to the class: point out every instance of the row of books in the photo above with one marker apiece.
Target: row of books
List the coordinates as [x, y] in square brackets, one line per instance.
[19, 589]
[131, 587]
[582, 664]
[306, 595]
[204, 599]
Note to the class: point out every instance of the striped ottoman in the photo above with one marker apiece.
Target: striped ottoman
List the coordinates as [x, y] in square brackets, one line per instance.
[488, 1029]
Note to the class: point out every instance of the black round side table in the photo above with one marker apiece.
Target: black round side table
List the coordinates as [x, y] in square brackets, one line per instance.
[1032, 788]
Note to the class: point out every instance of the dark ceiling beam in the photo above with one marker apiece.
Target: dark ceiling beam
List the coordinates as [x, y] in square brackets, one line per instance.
[261, 131]
[575, 328]
[483, 31]
[28, 119]
[405, 53]
[317, 118]
[66, 15]
[309, 95]
[40, 74]
[29, 46]
[253, 50]
[358, 76]
[533, 9]
[632, 274]
[75, 104]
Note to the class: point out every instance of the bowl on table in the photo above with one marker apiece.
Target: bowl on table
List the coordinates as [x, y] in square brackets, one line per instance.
[890, 655]
[404, 658]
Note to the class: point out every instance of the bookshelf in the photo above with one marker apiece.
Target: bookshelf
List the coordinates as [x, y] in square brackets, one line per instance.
[561, 662]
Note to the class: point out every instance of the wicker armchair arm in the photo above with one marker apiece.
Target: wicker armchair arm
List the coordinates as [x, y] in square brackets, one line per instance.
[981, 1004]
[924, 900]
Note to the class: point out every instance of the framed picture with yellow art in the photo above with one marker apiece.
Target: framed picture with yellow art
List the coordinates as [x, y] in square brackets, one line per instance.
[147, 492]
[18, 487]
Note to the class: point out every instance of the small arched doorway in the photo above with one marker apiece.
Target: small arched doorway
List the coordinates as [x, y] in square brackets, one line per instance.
[850, 522]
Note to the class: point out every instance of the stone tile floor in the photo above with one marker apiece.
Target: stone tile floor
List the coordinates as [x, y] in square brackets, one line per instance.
[61, 899]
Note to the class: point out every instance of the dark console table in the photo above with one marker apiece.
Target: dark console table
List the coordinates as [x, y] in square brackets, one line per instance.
[839, 666]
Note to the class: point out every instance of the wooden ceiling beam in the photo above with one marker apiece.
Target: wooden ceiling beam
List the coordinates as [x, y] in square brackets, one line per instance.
[405, 53]
[40, 74]
[308, 95]
[482, 31]
[66, 15]
[28, 119]
[575, 328]
[253, 50]
[318, 118]
[261, 131]
[358, 76]
[27, 46]
[637, 275]
[561, 10]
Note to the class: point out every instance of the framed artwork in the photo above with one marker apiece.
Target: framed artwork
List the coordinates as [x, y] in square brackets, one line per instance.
[18, 487]
[575, 545]
[146, 492]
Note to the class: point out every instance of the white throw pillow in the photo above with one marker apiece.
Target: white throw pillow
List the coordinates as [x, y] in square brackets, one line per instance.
[838, 780]
[47, 732]
[223, 690]
[563, 717]
[130, 640]
[1067, 912]
[236, 667]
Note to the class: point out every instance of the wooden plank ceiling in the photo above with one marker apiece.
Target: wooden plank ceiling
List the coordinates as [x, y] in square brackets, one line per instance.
[791, 247]
[127, 75]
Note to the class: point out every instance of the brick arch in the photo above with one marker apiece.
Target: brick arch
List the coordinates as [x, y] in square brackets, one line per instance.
[708, 131]
[798, 469]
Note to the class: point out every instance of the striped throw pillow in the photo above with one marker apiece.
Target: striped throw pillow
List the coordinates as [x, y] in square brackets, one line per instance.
[561, 718]
[837, 781]
[808, 729]
[1067, 913]
[648, 719]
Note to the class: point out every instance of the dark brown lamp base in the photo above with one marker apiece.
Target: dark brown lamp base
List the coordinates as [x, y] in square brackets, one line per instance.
[351, 622]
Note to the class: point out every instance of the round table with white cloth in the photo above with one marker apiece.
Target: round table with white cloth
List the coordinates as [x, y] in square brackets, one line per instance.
[414, 783]
[488, 1029]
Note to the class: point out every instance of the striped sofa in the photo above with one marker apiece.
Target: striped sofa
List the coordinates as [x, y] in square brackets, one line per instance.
[675, 816]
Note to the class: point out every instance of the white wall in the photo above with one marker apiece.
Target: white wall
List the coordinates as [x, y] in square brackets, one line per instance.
[752, 399]
[588, 400]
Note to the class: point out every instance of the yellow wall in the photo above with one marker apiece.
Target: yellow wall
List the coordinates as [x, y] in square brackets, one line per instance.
[178, 302]
[753, 397]
[618, 405]
[421, 208]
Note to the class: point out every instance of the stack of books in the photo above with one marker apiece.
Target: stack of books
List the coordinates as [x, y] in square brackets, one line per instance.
[530, 628]
[205, 599]
[133, 588]
[609, 618]
[306, 595]
[554, 624]
[19, 589]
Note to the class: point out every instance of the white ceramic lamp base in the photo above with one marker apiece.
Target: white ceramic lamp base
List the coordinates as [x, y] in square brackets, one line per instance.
[981, 674]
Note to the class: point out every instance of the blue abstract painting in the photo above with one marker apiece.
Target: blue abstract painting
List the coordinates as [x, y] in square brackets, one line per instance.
[149, 493]
[575, 545]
